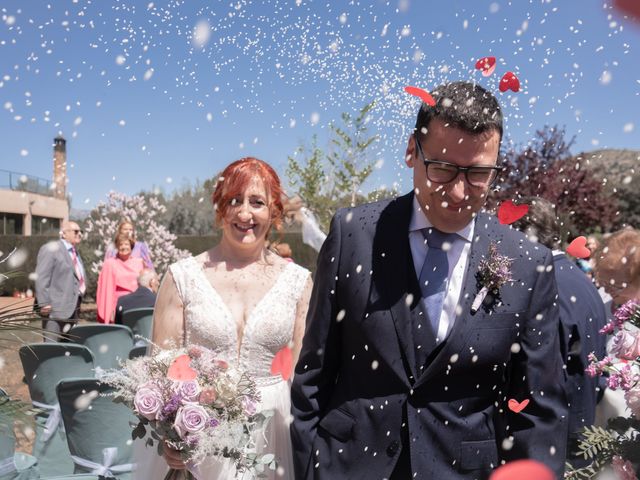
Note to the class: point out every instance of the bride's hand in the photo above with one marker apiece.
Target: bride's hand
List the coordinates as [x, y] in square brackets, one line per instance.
[173, 458]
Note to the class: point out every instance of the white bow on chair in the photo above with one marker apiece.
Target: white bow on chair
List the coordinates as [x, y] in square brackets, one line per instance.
[106, 469]
[53, 421]
[7, 466]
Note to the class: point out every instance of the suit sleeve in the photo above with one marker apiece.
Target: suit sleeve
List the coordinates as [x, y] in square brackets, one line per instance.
[318, 365]
[44, 273]
[539, 431]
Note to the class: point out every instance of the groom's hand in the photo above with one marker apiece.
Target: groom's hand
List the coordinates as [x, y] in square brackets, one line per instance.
[173, 458]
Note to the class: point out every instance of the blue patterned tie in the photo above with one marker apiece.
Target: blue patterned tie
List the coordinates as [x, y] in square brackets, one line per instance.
[434, 274]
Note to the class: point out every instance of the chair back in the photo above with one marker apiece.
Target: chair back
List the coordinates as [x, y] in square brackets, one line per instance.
[98, 429]
[139, 320]
[138, 351]
[44, 365]
[110, 344]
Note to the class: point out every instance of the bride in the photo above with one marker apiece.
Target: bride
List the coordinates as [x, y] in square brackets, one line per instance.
[244, 302]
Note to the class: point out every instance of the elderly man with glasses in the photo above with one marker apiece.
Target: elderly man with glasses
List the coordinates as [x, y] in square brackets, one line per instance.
[60, 282]
[407, 371]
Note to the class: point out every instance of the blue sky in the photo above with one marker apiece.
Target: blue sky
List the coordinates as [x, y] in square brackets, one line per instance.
[162, 93]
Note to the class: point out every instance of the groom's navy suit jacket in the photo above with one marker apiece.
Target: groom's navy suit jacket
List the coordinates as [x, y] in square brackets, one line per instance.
[357, 386]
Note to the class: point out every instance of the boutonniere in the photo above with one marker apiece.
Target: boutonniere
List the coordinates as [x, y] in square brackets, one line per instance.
[493, 272]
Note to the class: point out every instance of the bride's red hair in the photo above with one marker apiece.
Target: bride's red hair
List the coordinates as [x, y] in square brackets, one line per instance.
[235, 179]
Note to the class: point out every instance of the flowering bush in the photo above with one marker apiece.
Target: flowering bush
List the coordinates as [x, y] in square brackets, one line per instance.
[195, 403]
[144, 212]
[619, 444]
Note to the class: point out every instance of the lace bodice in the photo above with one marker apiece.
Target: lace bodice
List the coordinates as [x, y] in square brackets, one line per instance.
[209, 323]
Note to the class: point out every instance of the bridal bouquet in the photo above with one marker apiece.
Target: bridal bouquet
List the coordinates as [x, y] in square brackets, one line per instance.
[617, 445]
[194, 403]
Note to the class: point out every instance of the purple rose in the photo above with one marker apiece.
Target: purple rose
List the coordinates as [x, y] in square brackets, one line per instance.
[188, 390]
[633, 401]
[190, 418]
[148, 400]
[626, 345]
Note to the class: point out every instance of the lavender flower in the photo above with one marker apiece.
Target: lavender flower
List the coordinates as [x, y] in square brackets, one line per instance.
[148, 400]
[171, 407]
[492, 274]
[628, 312]
[190, 418]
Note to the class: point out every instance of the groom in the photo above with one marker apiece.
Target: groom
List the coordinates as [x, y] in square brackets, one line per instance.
[399, 377]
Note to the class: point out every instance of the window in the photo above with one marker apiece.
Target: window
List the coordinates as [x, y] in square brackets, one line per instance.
[44, 225]
[11, 224]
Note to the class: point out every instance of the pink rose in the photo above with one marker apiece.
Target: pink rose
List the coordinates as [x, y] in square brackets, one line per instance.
[148, 400]
[190, 418]
[208, 396]
[623, 468]
[626, 345]
[633, 401]
[188, 390]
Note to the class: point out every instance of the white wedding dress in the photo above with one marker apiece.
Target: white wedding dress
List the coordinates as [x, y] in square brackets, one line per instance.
[268, 329]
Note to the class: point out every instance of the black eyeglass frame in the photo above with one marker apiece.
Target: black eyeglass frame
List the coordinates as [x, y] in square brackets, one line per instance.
[465, 170]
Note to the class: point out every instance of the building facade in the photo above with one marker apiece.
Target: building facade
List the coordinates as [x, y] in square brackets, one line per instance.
[35, 206]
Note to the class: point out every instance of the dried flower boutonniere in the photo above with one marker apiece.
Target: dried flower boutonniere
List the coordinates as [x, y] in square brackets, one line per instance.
[492, 274]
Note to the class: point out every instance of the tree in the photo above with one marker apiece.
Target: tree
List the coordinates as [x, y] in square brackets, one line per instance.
[328, 180]
[189, 210]
[144, 212]
[547, 169]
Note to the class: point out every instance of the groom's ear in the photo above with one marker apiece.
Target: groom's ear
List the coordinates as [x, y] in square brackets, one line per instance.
[410, 153]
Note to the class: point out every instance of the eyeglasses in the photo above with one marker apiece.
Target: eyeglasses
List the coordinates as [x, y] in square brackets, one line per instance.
[74, 230]
[444, 172]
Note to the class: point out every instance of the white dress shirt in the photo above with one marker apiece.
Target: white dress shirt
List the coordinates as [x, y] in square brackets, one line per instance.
[69, 248]
[457, 256]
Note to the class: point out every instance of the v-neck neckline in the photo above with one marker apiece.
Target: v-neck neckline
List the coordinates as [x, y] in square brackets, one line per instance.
[229, 313]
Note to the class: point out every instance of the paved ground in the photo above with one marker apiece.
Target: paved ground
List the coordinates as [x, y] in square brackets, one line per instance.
[11, 369]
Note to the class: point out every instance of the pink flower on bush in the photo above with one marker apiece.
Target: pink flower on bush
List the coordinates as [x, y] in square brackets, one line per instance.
[190, 418]
[623, 468]
[148, 400]
[188, 390]
[626, 345]
[633, 401]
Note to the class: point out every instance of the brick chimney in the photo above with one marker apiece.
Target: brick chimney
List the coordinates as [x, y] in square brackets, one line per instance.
[60, 167]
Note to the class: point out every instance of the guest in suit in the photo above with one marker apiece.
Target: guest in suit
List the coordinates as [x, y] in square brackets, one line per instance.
[60, 282]
[398, 377]
[143, 297]
[118, 277]
[140, 248]
[582, 315]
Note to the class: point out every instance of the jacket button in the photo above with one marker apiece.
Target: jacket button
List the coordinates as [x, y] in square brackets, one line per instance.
[392, 449]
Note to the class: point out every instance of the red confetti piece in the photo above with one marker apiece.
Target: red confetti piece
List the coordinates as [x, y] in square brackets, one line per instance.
[516, 406]
[282, 363]
[523, 470]
[509, 81]
[508, 212]
[420, 93]
[487, 65]
[578, 248]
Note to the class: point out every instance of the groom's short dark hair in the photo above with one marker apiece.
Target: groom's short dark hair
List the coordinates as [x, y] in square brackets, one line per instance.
[463, 105]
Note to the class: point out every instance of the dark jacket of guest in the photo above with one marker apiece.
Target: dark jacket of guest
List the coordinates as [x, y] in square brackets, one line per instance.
[143, 297]
[582, 315]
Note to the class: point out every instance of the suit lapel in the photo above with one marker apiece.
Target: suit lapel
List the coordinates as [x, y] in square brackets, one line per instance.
[393, 281]
[457, 335]
[66, 257]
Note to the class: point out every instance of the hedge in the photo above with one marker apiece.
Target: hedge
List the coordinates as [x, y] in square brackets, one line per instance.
[302, 255]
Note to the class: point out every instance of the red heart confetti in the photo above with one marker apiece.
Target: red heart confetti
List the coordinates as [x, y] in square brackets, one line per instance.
[523, 470]
[282, 363]
[577, 248]
[180, 369]
[509, 81]
[420, 93]
[516, 406]
[508, 212]
[487, 65]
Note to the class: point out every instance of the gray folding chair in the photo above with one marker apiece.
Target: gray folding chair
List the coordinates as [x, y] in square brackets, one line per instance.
[138, 351]
[44, 365]
[98, 429]
[13, 465]
[139, 320]
[110, 344]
